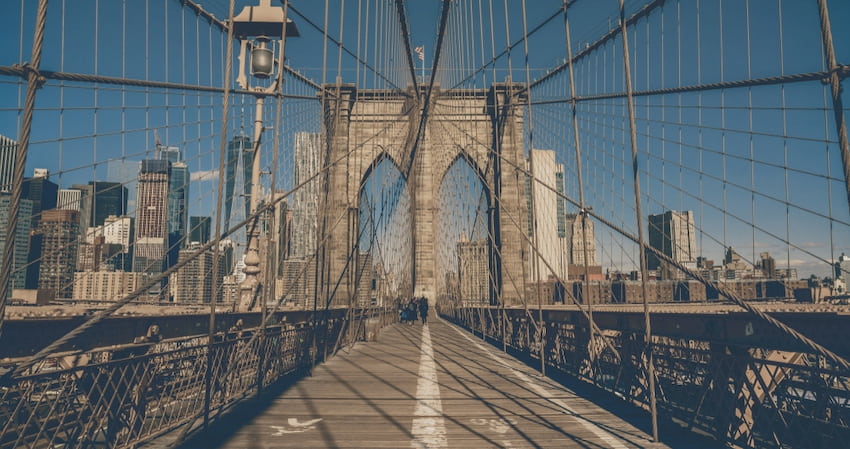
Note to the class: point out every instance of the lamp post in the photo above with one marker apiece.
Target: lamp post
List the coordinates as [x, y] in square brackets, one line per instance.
[261, 30]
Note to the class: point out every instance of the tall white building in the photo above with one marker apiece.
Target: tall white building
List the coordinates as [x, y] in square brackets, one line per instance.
[151, 231]
[576, 245]
[118, 231]
[549, 217]
[305, 202]
[69, 199]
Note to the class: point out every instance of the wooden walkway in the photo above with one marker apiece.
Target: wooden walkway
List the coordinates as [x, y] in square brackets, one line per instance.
[429, 386]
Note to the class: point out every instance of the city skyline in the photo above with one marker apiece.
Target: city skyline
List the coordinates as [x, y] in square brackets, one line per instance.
[614, 210]
[739, 206]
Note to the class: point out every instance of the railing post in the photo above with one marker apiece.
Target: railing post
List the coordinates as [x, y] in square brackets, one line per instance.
[503, 317]
[261, 353]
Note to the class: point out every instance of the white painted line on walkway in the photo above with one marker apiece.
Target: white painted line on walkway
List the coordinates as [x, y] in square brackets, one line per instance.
[429, 427]
[612, 441]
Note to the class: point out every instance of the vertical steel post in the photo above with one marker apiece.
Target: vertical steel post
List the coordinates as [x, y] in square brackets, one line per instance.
[251, 283]
[650, 369]
[270, 292]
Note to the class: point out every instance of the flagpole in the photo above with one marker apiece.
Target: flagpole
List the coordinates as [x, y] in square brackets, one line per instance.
[423, 63]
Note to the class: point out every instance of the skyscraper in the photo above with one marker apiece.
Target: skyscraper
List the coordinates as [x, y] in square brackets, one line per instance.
[199, 229]
[178, 210]
[239, 148]
[367, 282]
[561, 213]
[151, 217]
[43, 194]
[116, 233]
[166, 153]
[305, 202]
[547, 212]
[178, 199]
[91, 254]
[22, 235]
[59, 230]
[673, 234]
[473, 272]
[95, 201]
[69, 199]
[576, 244]
[178, 202]
[107, 198]
[194, 280]
[284, 233]
[85, 206]
[124, 172]
[118, 230]
[8, 150]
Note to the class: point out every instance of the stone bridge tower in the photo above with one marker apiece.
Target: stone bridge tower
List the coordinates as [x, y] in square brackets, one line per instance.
[365, 127]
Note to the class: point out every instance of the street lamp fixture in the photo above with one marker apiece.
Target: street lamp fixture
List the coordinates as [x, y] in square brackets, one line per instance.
[261, 31]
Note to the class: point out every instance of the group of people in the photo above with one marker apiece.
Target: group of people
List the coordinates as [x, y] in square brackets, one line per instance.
[409, 310]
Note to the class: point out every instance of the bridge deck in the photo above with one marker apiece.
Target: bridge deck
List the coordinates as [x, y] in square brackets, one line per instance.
[395, 394]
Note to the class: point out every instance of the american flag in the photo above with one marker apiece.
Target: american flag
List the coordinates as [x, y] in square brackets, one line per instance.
[420, 51]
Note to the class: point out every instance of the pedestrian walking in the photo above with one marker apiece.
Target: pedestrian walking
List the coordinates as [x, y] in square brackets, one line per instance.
[423, 309]
[411, 312]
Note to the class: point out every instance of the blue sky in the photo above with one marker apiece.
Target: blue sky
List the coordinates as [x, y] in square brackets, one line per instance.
[697, 149]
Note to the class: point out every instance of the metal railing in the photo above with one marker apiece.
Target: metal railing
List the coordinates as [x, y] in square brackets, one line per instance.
[124, 395]
[716, 373]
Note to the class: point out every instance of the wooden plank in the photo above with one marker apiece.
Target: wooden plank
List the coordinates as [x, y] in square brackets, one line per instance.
[366, 398]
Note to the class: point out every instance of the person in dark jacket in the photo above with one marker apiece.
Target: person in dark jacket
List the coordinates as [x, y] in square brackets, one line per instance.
[411, 311]
[423, 309]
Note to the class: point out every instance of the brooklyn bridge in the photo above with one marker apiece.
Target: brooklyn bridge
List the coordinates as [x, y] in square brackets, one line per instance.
[431, 224]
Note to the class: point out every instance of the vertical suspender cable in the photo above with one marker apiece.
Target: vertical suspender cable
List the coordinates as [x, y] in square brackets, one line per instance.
[577, 147]
[222, 155]
[535, 276]
[650, 370]
[319, 279]
[497, 143]
[508, 114]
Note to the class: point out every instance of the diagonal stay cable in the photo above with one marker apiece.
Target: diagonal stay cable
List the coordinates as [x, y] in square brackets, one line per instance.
[800, 338]
[423, 118]
[611, 34]
[510, 47]
[103, 314]
[405, 33]
[222, 25]
[537, 253]
[344, 48]
[21, 71]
